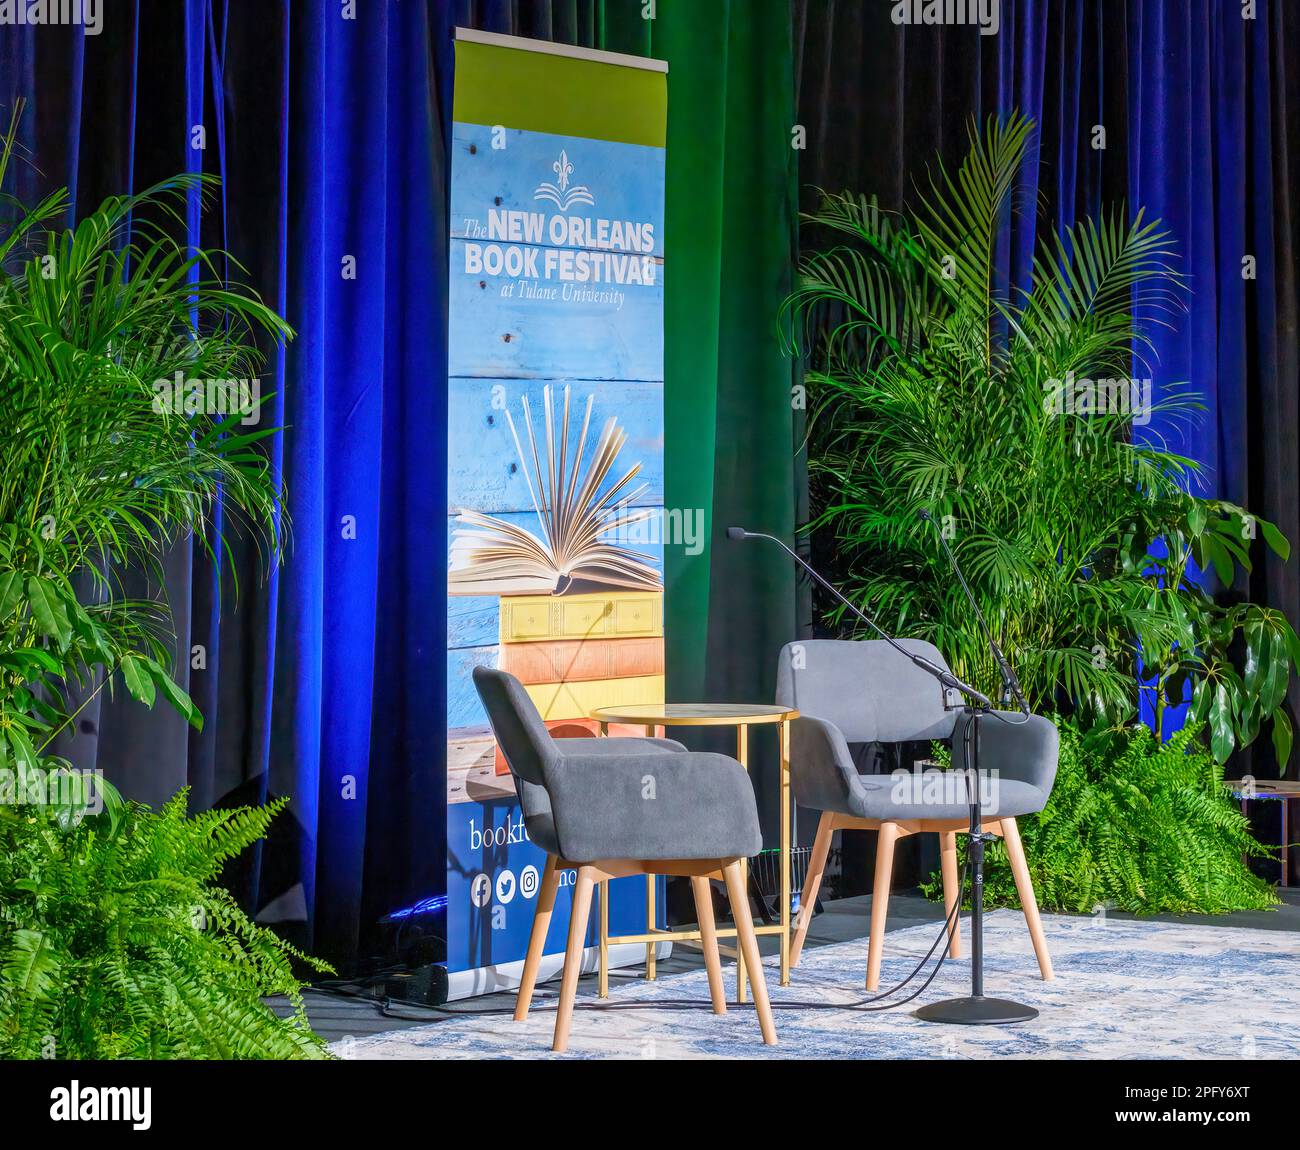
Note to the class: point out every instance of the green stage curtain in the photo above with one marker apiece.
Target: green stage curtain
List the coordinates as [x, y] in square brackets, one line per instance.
[730, 232]
[730, 229]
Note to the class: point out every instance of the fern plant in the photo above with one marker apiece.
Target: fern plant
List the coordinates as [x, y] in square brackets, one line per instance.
[116, 940]
[1136, 825]
[934, 384]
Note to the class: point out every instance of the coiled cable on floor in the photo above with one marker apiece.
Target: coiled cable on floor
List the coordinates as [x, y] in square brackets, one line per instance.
[865, 1005]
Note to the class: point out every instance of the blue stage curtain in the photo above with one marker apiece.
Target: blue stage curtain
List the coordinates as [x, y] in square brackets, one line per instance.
[325, 684]
[1207, 88]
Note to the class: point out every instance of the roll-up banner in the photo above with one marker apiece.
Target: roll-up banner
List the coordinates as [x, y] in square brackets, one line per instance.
[555, 451]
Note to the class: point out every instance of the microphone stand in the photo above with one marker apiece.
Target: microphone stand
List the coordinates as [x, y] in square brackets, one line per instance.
[975, 1009]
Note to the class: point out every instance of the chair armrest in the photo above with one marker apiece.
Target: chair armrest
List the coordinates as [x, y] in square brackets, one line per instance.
[822, 771]
[1025, 751]
[688, 805]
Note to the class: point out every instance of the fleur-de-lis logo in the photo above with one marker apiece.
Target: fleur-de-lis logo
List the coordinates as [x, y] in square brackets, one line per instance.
[563, 169]
[560, 193]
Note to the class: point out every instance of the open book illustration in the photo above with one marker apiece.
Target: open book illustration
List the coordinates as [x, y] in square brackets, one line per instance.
[492, 556]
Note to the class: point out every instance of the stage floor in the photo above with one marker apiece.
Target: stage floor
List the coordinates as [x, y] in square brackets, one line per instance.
[1092, 961]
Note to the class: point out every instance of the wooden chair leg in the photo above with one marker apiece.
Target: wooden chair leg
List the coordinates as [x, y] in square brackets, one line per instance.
[709, 941]
[573, 956]
[747, 942]
[537, 939]
[880, 900]
[812, 884]
[1025, 889]
[951, 889]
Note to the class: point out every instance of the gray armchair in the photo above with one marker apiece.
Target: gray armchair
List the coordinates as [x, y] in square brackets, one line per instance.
[853, 693]
[585, 803]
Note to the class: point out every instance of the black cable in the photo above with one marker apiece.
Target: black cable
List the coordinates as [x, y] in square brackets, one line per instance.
[864, 1005]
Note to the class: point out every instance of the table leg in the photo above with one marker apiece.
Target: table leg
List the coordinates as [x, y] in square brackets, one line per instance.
[742, 756]
[650, 947]
[1286, 840]
[785, 853]
[604, 730]
[604, 940]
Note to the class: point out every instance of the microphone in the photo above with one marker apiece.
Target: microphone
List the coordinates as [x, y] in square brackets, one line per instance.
[945, 677]
[1010, 684]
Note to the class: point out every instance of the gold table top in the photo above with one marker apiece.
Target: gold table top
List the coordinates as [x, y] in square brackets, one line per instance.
[695, 714]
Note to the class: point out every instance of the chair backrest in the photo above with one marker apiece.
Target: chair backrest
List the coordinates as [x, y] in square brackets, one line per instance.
[866, 688]
[522, 736]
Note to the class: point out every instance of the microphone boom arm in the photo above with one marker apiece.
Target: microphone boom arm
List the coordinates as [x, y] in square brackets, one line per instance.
[945, 677]
[1010, 683]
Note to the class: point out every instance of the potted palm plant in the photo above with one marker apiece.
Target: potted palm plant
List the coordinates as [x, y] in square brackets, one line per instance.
[1022, 416]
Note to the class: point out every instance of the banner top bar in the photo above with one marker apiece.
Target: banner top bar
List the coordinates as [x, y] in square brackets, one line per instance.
[547, 47]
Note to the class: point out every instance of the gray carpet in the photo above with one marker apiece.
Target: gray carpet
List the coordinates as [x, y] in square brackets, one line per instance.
[845, 920]
[1124, 989]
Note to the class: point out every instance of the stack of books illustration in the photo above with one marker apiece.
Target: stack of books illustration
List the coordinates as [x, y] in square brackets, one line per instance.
[581, 615]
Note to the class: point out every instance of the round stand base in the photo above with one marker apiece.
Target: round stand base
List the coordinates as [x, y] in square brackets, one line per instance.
[977, 1011]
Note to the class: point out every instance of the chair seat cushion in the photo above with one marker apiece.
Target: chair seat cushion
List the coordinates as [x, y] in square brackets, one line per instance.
[937, 794]
[654, 805]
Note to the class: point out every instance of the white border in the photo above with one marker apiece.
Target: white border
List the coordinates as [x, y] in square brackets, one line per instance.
[548, 48]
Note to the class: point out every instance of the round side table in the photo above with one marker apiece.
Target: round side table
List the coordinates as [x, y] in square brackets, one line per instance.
[742, 716]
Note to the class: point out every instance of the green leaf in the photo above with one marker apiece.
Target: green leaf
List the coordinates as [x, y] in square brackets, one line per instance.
[1202, 693]
[135, 673]
[1258, 654]
[30, 660]
[23, 748]
[177, 696]
[32, 965]
[48, 611]
[1275, 539]
[1292, 642]
[1276, 677]
[11, 592]
[1221, 560]
[1282, 737]
[1222, 738]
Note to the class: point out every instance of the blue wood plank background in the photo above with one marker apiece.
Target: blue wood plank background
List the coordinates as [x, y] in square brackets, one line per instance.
[510, 337]
[625, 180]
[489, 477]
